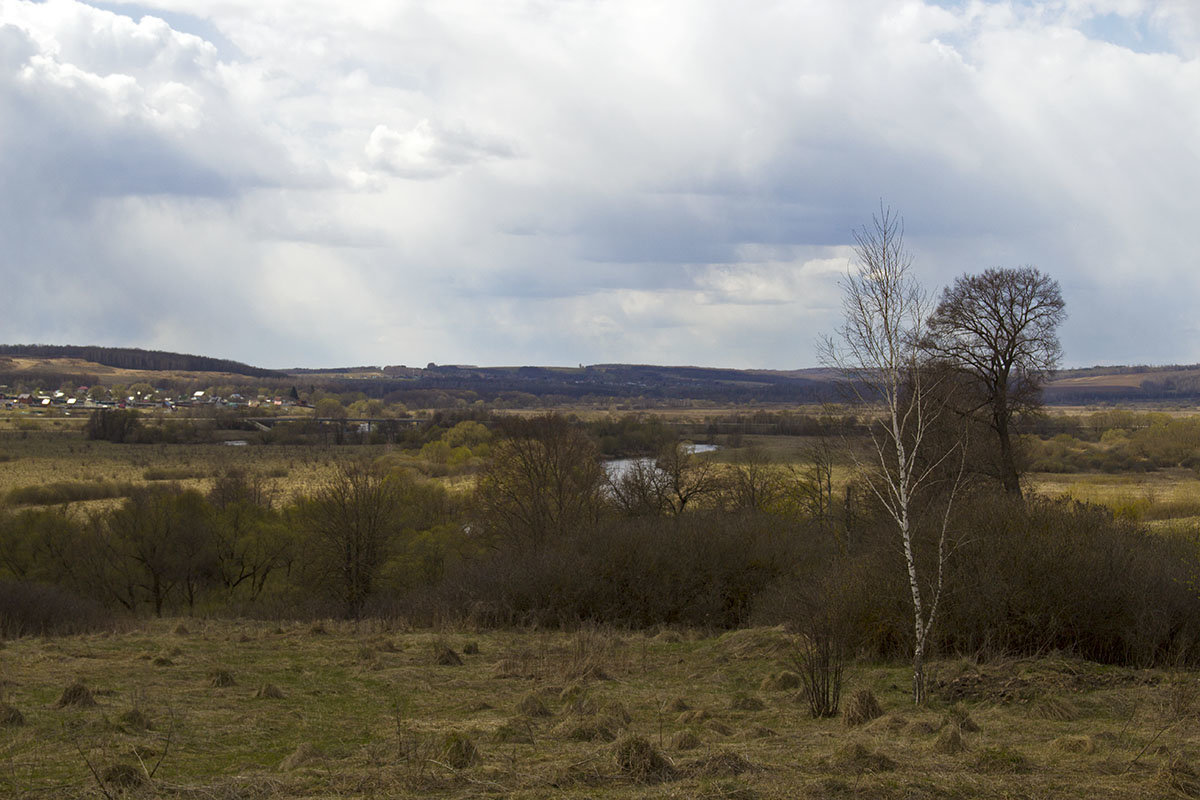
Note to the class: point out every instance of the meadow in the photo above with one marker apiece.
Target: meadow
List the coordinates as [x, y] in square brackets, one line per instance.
[196, 708]
[212, 706]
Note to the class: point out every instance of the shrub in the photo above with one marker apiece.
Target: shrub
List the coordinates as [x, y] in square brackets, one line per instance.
[697, 570]
[112, 424]
[48, 494]
[32, 609]
[1064, 576]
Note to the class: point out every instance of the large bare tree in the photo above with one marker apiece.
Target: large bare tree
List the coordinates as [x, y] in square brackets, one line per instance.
[544, 481]
[999, 329]
[878, 352]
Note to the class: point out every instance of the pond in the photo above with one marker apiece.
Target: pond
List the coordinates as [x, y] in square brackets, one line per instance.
[617, 468]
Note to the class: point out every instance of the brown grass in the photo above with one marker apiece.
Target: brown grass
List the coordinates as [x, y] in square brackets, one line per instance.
[382, 733]
[76, 695]
[861, 708]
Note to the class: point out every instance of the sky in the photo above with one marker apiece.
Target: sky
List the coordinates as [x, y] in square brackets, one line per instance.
[558, 182]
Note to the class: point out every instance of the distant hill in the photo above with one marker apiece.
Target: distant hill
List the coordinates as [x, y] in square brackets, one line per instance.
[1176, 382]
[447, 385]
[137, 359]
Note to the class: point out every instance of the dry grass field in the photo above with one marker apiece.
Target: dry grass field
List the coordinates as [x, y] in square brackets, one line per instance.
[43, 457]
[223, 709]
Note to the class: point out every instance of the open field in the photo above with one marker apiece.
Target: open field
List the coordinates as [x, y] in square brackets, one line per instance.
[57, 452]
[43, 458]
[330, 709]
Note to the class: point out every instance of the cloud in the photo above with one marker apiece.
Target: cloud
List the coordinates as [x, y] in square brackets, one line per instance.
[298, 183]
[427, 151]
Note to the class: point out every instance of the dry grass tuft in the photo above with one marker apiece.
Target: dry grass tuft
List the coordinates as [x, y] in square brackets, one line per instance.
[10, 716]
[532, 706]
[134, 720]
[685, 740]
[780, 681]
[589, 654]
[123, 776]
[302, 756]
[716, 726]
[1178, 775]
[1074, 744]
[861, 708]
[722, 764]
[269, 691]
[960, 716]
[950, 741]
[220, 678]
[459, 751]
[856, 757]
[444, 656]
[746, 702]
[76, 695]
[1055, 708]
[638, 759]
[889, 723]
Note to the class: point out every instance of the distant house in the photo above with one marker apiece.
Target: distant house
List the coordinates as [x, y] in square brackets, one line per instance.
[25, 399]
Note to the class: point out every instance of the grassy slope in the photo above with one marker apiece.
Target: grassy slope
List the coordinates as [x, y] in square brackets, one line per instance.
[375, 706]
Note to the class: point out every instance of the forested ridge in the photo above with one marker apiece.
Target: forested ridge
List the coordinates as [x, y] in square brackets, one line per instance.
[136, 358]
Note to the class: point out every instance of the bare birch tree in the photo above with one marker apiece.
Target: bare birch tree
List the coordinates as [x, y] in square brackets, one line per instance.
[877, 351]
